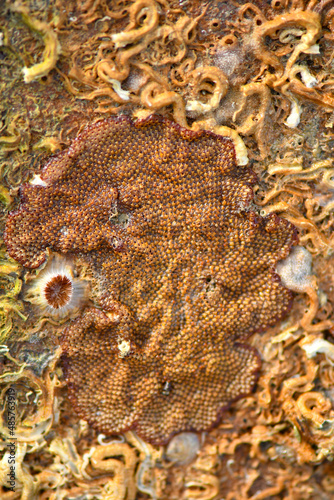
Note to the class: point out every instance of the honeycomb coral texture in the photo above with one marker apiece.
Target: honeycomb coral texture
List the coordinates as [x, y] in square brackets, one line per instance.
[161, 215]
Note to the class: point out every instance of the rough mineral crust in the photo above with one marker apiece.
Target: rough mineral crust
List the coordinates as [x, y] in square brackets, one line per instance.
[162, 217]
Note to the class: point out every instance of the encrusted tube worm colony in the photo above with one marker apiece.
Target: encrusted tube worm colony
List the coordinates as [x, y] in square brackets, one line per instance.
[161, 216]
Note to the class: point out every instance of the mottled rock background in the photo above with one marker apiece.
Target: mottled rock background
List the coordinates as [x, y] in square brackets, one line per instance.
[262, 69]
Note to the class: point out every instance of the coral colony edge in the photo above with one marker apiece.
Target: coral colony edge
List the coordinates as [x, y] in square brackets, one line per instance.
[182, 272]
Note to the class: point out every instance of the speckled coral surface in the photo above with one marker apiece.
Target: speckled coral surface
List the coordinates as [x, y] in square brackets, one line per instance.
[162, 217]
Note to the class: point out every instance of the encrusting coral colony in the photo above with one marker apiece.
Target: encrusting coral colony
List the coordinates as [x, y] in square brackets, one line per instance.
[160, 215]
[148, 266]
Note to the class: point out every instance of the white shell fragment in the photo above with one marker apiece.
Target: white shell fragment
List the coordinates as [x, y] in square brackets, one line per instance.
[183, 448]
[295, 271]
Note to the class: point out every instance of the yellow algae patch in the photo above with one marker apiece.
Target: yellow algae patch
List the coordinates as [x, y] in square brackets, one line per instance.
[52, 45]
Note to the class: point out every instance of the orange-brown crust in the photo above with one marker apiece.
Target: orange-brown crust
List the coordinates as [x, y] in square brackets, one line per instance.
[162, 216]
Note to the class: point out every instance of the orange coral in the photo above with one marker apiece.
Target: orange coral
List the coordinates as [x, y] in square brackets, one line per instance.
[161, 216]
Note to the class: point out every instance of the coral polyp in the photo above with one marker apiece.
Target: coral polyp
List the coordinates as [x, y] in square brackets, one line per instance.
[56, 291]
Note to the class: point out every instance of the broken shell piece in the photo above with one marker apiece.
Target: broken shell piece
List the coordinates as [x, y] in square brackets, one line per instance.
[183, 448]
[295, 271]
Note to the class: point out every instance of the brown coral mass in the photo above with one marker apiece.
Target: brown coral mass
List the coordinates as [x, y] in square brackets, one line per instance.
[162, 217]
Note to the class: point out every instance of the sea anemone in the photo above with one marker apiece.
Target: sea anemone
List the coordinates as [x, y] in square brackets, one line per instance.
[56, 290]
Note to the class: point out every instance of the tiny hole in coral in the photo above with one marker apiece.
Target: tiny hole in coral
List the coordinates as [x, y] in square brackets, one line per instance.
[215, 24]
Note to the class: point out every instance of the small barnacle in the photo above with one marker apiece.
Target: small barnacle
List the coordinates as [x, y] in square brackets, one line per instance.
[295, 271]
[183, 448]
[57, 292]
